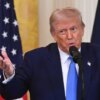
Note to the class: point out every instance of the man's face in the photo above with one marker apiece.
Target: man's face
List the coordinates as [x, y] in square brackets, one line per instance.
[68, 32]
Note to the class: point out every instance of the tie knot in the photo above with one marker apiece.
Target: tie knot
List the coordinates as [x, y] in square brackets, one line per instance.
[70, 58]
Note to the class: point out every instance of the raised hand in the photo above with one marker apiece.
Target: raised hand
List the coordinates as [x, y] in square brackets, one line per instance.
[6, 64]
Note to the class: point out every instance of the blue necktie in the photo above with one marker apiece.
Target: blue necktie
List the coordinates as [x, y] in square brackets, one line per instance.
[71, 91]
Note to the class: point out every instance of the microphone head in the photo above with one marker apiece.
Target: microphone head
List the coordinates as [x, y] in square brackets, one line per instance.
[75, 53]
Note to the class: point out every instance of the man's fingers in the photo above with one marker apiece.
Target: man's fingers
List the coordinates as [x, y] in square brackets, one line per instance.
[4, 60]
[1, 58]
[1, 61]
[4, 54]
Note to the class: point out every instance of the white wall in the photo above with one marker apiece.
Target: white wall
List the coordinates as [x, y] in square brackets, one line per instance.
[45, 9]
[87, 8]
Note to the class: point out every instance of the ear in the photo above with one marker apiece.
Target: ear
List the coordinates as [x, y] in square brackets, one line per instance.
[82, 31]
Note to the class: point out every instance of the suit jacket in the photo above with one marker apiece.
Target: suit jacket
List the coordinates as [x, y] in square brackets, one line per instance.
[41, 74]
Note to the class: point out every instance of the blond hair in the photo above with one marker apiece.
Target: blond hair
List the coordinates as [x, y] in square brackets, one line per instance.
[68, 12]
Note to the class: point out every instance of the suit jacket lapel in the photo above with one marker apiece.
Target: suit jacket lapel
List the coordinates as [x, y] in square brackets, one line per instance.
[55, 73]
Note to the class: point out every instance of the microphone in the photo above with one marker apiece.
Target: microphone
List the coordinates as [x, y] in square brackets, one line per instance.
[76, 55]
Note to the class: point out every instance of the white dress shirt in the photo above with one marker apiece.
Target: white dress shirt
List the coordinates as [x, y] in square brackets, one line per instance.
[65, 62]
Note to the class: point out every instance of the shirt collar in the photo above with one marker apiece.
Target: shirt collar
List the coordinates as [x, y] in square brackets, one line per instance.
[63, 56]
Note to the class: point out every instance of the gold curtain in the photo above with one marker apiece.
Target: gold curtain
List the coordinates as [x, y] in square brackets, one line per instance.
[27, 16]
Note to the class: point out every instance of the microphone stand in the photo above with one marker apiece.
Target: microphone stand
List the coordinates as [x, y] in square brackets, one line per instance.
[79, 61]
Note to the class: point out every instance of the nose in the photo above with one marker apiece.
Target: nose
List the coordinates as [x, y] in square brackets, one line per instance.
[69, 34]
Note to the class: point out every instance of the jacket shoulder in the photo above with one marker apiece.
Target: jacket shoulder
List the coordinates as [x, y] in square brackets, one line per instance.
[91, 50]
[42, 50]
[91, 47]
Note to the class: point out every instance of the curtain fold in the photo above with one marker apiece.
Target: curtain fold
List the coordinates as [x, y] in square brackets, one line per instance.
[27, 15]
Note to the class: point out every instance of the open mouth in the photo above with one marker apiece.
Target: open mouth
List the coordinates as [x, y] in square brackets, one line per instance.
[71, 44]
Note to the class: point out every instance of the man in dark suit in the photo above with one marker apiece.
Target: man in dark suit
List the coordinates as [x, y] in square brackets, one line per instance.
[45, 70]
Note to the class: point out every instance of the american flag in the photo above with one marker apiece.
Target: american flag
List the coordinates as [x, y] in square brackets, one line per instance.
[9, 35]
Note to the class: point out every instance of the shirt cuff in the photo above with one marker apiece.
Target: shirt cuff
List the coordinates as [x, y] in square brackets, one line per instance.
[6, 80]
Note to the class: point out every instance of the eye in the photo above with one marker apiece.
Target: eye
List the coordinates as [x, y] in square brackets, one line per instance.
[62, 32]
[73, 29]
